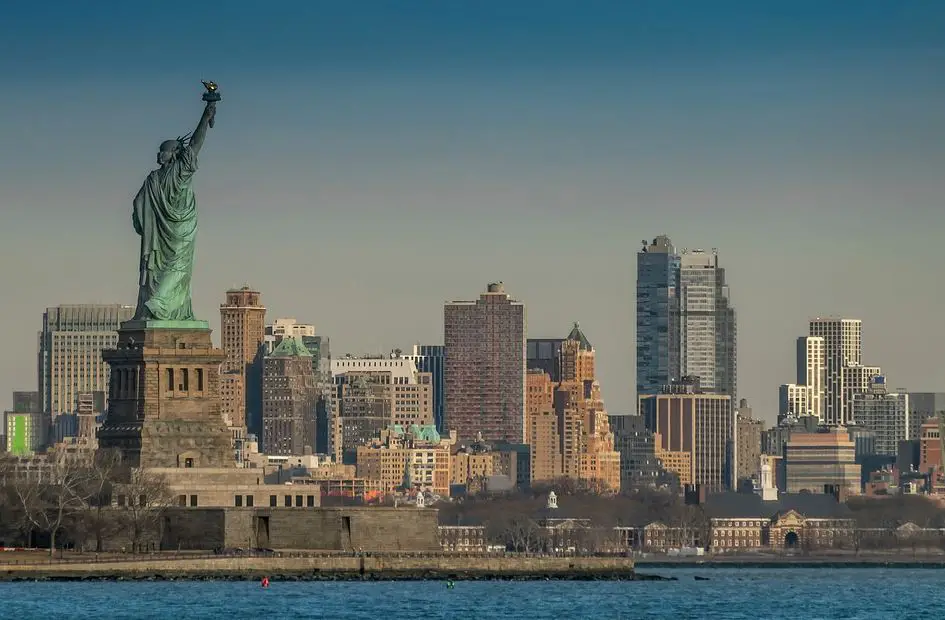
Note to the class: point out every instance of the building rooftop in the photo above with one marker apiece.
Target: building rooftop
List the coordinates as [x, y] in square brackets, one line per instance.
[420, 432]
[290, 347]
[730, 505]
[578, 335]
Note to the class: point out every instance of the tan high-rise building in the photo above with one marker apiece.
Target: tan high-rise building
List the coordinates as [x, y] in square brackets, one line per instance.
[680, 463]
[243, 329]
[585, 440]
[484, 367]
[542, 427]
[687, 420]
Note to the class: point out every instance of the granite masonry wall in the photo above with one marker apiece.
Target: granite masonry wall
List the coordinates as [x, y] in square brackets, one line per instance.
[322, 529]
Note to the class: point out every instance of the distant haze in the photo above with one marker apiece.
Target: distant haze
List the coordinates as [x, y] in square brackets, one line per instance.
[368, 164]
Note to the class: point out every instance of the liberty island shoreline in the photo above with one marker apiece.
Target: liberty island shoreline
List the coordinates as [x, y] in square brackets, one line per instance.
[327, 568]
[418, 567]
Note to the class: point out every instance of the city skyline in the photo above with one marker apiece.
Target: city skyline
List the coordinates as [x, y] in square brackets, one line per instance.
[808, 150]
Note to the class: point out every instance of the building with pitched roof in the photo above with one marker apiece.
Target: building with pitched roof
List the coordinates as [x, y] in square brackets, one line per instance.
[413, 458]
[586, 441]
[290, 397]
[740, 522]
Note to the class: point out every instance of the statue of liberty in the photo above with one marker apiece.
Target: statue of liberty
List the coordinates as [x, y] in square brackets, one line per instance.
[165, 216]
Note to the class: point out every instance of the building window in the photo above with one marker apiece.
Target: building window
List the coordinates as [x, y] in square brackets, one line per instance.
[239, 500]
[249, 501]
[288, 501]
[273, 501]
[181, 500]
[169, 375]
[188, 463]
[310, 501]
[184, 386]
[193, 501]
[298, 501]
[120, 500]
[199, 372]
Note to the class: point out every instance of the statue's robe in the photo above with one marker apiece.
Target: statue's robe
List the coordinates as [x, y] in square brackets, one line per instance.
[165, 215]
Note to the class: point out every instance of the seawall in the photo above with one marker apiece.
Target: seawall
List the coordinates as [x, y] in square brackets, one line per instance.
[331, 568]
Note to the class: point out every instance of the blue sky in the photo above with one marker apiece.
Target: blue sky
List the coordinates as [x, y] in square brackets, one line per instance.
[370, 162]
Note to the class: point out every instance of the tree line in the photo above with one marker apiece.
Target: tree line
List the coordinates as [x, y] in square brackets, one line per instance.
[84, 501]
[519, 520]
[516, 520]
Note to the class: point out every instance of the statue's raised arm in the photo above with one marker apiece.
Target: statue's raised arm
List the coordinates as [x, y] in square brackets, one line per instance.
[212, 96]
[165, 217]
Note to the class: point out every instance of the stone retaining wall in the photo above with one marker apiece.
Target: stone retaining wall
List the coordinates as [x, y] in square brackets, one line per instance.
[377, 566]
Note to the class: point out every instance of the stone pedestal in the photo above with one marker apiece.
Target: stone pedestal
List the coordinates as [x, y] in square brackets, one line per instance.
[164, 401]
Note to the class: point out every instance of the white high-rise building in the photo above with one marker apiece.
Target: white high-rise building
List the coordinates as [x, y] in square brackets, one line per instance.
[706, 323]
[794, 399]
[289, 327]
[70, 352]
[812, 372]
[845, 373]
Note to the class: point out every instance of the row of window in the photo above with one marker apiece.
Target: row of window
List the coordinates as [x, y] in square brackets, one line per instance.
[300, 501]
[178, 379]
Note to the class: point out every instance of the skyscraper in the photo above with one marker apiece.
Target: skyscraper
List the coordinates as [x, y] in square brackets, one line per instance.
[703, 425]
[806, 396]
[70, 352]
[243, 325]
[290, 395]
[685, 321]
[885, 412]
[845, 373]
[541, 423]
[484, 367]
[657, 335]
[586, 441]
[706, 323]
[544, 354]
[320, 348]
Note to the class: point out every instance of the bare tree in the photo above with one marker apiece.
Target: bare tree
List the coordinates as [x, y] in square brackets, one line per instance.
[59, 494]
[12, 519]
[144, 499]
[98, 521]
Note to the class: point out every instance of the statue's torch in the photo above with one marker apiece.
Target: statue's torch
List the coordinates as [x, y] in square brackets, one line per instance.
[212, 95]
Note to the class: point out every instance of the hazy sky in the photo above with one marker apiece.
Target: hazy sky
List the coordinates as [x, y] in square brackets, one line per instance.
[371, 160]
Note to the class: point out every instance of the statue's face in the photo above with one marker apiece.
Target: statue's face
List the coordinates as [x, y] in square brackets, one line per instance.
[166, 152]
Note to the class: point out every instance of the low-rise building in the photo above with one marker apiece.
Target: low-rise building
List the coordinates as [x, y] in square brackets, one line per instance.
[415, 458]
[740, 522]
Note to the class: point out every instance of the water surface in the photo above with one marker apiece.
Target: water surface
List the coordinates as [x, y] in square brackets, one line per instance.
[730, 593]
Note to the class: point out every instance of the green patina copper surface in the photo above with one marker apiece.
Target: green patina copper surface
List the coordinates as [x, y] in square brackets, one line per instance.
[165, 217]
[290, 347]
